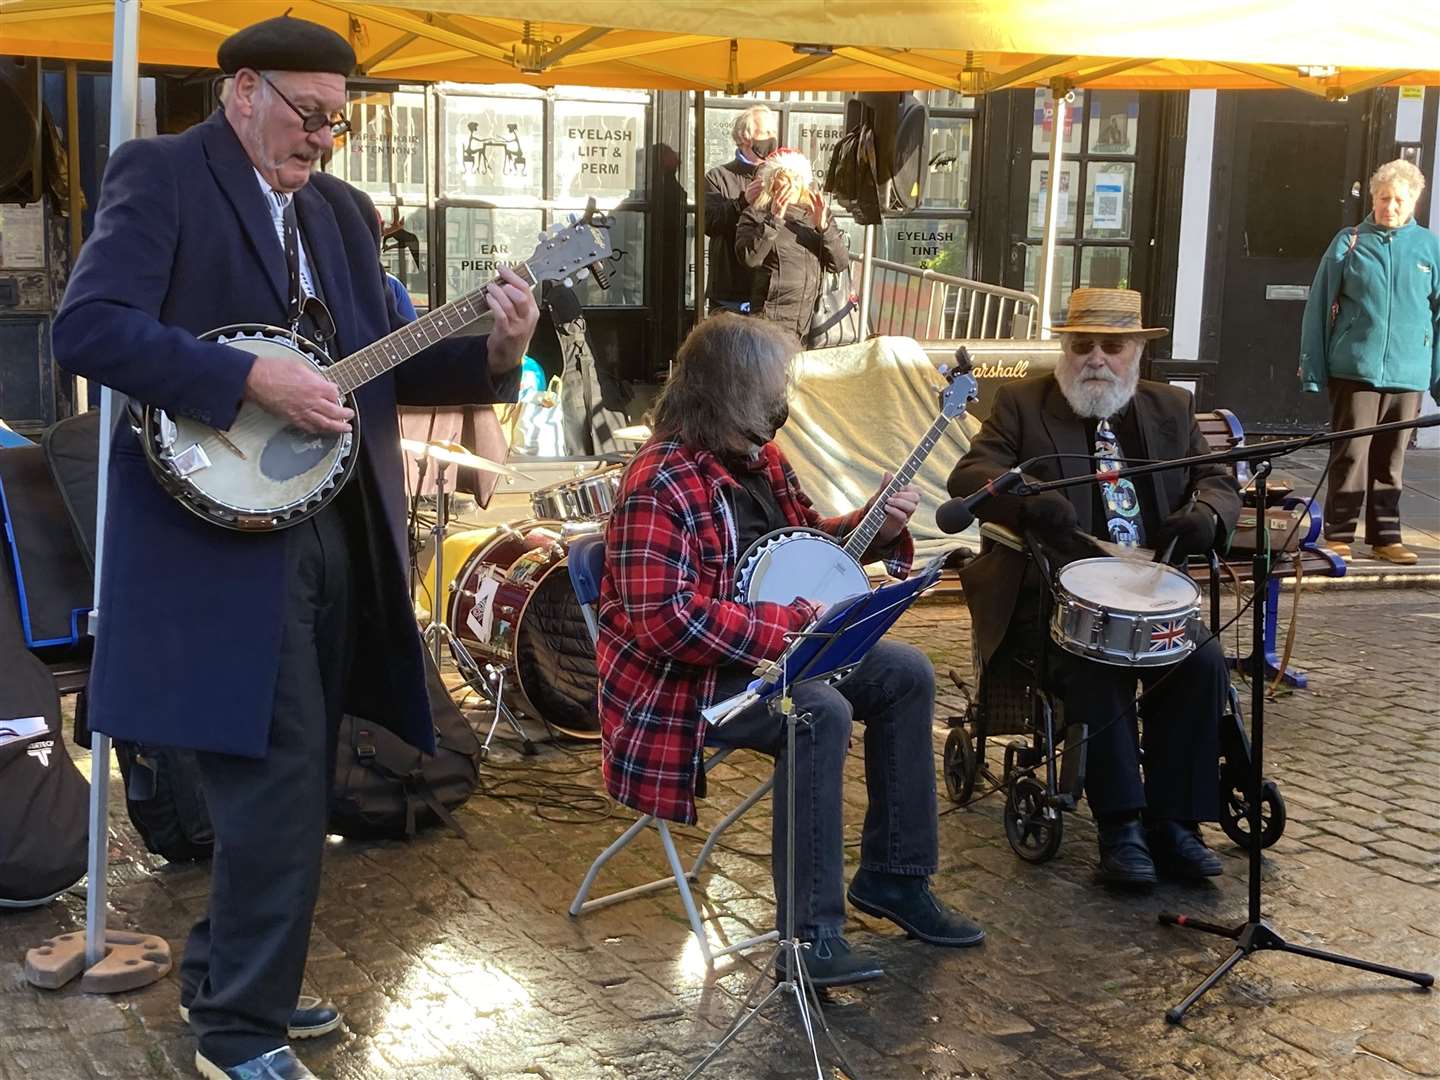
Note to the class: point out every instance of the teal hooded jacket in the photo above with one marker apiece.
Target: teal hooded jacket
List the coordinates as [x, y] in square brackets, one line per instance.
[1388, 288]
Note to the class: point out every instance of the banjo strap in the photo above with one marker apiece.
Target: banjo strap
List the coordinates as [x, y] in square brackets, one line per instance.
[305, 312]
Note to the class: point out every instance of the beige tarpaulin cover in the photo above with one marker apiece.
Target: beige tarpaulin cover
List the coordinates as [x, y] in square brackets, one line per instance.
[857, 412]
[1325, 47]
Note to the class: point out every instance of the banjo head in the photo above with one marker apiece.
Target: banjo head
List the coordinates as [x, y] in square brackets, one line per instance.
[798, 562]
[261, 474]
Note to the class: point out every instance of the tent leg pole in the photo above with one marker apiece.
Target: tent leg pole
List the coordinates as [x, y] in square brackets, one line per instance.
[1059, 92]
[699, 205]
[867, 274]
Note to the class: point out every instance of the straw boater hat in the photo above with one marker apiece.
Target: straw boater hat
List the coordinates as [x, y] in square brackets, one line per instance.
[1107, 311]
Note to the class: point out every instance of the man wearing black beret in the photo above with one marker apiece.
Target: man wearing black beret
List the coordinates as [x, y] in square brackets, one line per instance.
[247, 647]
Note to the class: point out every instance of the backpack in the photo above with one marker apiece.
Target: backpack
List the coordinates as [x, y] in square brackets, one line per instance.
[386, 787]
[44, 800]
[165, 801]
[852, 175]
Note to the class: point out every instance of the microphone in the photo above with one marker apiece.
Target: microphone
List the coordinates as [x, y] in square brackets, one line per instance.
[955, 515]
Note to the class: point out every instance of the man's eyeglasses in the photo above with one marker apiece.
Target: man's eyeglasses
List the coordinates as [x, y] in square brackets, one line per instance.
[316, 120]
[1109, 346]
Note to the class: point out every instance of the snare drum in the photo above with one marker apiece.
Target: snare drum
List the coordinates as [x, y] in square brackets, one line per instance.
[512, 605]
[1125, 612]
[581, 498]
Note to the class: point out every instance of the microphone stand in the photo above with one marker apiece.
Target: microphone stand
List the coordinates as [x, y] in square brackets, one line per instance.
[1255, 933]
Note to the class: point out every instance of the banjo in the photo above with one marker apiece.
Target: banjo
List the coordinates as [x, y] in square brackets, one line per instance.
[262, 473]
[799, 561]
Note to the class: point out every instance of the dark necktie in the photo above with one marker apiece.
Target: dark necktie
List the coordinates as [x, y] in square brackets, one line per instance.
[292, 258]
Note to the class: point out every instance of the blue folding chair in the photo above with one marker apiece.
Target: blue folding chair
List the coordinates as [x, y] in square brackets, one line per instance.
[586, 561]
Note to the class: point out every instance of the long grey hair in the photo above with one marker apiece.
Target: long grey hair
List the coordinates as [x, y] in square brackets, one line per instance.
[731, 377]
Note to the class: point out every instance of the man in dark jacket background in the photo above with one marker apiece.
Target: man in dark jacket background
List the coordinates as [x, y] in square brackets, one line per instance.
[729, 189]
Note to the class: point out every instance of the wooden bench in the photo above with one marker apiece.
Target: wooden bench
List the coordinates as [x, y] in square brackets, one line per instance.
[1223, 431]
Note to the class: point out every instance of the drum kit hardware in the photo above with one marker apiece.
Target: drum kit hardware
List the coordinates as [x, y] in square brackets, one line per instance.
[636, 433]
[508, 616]
[451, 453]
[438, 634]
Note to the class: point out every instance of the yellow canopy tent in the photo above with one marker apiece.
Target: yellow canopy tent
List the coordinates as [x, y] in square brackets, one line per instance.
[1324, 47]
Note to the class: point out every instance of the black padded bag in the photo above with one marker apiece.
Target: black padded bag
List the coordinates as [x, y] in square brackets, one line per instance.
[44, 800]
[165, 801]
[386, 787]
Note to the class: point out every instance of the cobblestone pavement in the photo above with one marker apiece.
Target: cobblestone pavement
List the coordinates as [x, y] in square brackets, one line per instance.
[459, 961]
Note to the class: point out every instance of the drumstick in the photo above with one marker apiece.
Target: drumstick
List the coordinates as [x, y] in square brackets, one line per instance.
[1164, 560]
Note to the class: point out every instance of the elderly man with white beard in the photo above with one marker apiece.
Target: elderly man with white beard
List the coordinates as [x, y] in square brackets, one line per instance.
[1093, 411]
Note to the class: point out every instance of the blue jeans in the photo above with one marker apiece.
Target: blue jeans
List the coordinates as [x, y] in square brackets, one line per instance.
[893, 693]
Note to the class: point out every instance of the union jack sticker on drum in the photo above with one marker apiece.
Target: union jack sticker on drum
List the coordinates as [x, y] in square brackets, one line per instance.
[1168, 636]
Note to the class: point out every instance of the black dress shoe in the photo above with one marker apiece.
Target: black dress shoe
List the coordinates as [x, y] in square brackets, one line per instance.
[280, 1064]
[1181, 852]
[1124, 856]
[908, 902]
[311, 1018]
[831, 962]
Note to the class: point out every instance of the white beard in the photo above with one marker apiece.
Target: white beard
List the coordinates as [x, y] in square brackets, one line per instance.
[1099, 395]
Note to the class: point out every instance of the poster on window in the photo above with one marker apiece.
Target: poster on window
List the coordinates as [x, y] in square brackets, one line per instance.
[1109, 212]
[492, 146]
[599, 150]
[1067, 200]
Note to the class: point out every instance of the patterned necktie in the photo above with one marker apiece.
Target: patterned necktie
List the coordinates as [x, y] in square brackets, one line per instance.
[1122, 505]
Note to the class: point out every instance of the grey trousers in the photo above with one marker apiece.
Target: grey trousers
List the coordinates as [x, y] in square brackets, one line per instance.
[1366, 469]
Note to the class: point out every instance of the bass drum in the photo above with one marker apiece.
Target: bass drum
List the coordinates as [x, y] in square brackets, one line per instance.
[512, 605]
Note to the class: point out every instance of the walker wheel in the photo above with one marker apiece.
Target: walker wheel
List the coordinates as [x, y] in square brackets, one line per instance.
[1032, 826]
[960, 766]
[1235, 812]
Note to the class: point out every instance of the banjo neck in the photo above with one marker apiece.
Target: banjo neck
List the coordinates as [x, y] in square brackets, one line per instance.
[395, 348]
[863, 534]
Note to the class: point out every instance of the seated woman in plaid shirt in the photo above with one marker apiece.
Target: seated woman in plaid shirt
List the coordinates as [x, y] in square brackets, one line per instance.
[672, 641]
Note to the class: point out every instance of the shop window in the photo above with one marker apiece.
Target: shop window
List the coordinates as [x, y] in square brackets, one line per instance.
[384, 152]
[937, 244]
[1114, 122]
[492, 146]
[1064, 276]
[815, 134]
[405, 250]
[1040, 193]
[479, 240]
[599, 150]
[947, 181]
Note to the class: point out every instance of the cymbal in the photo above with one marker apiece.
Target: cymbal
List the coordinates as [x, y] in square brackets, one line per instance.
[634, 433]
[455, 454]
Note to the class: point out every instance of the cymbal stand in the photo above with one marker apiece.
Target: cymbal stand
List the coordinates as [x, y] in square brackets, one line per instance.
[489, 682]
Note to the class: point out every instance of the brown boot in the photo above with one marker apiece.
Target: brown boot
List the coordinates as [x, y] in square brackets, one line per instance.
[1339, 547]
[1398, 554]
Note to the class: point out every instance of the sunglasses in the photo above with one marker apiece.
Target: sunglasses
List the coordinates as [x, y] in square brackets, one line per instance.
[314, 121]
[1109, 346]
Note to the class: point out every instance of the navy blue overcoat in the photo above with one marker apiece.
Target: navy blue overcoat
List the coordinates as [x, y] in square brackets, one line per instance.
[188, 646]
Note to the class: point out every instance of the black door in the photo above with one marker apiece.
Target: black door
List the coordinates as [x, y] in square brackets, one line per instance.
[1293, 179]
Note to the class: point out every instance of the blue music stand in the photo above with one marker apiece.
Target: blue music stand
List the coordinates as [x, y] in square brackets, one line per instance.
[838, 640]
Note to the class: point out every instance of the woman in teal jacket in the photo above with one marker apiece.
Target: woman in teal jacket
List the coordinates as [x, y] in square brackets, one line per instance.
[1370, 339]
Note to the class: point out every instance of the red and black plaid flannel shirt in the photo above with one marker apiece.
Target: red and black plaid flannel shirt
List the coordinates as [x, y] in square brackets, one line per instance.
[668, 620]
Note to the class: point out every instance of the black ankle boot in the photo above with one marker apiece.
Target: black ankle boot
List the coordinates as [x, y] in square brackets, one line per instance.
[910, 905]
[1124, 855]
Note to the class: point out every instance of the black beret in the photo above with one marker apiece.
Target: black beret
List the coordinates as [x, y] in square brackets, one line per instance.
[286, 44]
